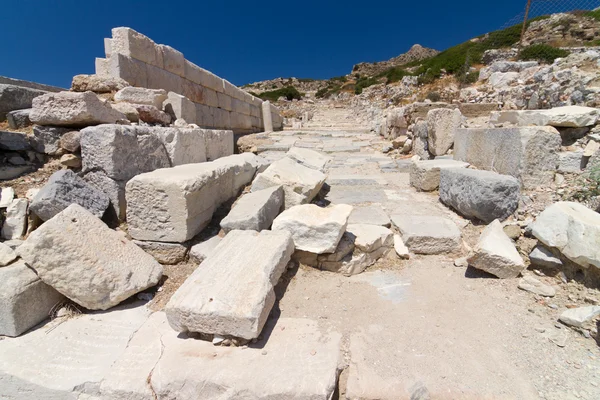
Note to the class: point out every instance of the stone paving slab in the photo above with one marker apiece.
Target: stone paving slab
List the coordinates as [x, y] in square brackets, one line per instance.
[355, 195]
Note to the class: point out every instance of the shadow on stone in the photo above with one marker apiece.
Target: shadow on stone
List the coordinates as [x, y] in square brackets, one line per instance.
[474, 273]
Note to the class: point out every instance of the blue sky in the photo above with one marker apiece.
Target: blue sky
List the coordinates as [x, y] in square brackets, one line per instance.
[50, 41]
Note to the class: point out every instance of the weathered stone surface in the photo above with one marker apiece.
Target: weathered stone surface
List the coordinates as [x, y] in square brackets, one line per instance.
[571, 228]
[400, 248]
[373, 215]
[568, 116]
[542, 257]
[164, 253]
[309, 158]
[114, 189]
[369, 238]
[14, 141]
[201, 251]
[255, 211]
[43, 362]
[14, 97]
[420, 145]
[219, 143]
[232, 293]
[314, 229]
[484, 195]
[63, 189]
[152, 115]
[97, 84]
[70, 160]
[428, 234]
[7, 255]
[496, 254]
[19, 119]
[96, 267]
[442, 124]
[129, 110]
[46, 139]
[570, 162]
[529, 154]
[137, 95]
[184, 145]
[300, 184]
[71, 141]
[7, 194]
[26, 300]
[73, 109]
[579, 316]
[11, 172]
[16, 219]
[174, 204]
[425, 175]
[530, 284]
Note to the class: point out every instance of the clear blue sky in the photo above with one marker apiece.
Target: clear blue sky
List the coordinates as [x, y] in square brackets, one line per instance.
[50, 41]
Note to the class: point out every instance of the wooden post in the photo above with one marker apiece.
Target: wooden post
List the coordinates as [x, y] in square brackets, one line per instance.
[525, 22]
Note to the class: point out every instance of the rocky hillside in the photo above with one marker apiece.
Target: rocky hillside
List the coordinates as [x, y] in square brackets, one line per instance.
[416, 53]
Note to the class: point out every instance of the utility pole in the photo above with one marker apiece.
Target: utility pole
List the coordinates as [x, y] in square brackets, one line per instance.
[525, 22]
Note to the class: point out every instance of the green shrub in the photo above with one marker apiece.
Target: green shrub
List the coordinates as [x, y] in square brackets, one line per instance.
[289, 92]
[542, 53]
[328, 91]
[393, 74]
[593, 14]
[434, 96]
[589, 185]
[341, 79]
[364, 83]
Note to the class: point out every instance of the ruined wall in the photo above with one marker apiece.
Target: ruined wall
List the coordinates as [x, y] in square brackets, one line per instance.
[198, 96]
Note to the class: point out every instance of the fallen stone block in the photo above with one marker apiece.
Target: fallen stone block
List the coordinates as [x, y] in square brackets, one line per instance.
[425, 175]
[529, 154]
[309, 158]
[567, 116]
[164, 253]
[14, 97]
[114, 189]
[46, 139]
[26, 300]
[7, 195]
[63, 189]
[370, 237]
[496, 254]
[201, 251]
[15, 223]
[236, 302]
[314, 229]
[175, 204]
[572, 229]
[570, 162]
[542, 257]
[19, 119]
[532, 285]
[97, 84]
[152, 115]
[484, 195]
[255, 211]
[7, 255]
[428, 234]
[579, 316]
[442, 124]
[137, 95]
[14, 141]
[96, 267]
[373, 215]
[300, 184]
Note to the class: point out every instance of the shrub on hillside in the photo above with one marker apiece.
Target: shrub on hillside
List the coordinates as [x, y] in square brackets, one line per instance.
[394, 74]
[364, 83]
[434, 96]
[289, 92]
[542, 53]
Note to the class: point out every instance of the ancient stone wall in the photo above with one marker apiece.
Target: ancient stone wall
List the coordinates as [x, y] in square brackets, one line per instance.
[196, 95]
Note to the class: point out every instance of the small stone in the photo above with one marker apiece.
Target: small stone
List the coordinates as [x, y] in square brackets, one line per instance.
[70, 141]
[579, 316]
[71, 161]
[16, 219]
[461, 262]
[512, 231]
[530, 284]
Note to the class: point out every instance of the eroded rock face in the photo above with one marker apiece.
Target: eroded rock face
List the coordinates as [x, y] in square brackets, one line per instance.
[573, 229]
[232, 293]
[79, 256]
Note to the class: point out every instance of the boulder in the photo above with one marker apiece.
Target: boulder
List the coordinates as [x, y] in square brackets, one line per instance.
[63, 189]
[46, 139]
[232, 293]
[19, 119]
[579, 316]
[79, 256]
[15, 223]
[16, 98]
[26, 300]
[14, 141]
[255, 211]
[484, 195]
[572, 229]
[425, 234]
[442, 124]
[136, 95]
[7, 255]
[73, 109]
[300, 184]
[175, 204]
[201, 251]
[567, 116]
[97, 83]
[496, 254]
[425, 175]
[529, 154]
[314, 229]
[309, 158]
[542, 257]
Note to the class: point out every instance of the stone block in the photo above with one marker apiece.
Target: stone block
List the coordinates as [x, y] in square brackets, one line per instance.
[204, 116]
[46, 139]
[137, 95]
[300, 184]
[114, 189]
[19, 119]
[428, 234]
[180, 107]
[201, 251]
[159, 78]
[420, 146]
[309, 158]
[235, 302]
[373, 215]
[15, 224]
[14, 141]
[425, 175]
[224, 101]
[441, 126]
[73, 109]
[183, 145]
[369, 238]
[203, 77]
[16, 98]
[496, 254]
[152, 115]
[529, 154]
[133, 44]
[97, 83]
[173, 60]
[232, 91]
[255, 211]
[79, 256]
[7, 254]
[211, 98]
[164, 253]
[175, 204]
[484, 195]
[102, 66]
[314, 229]
[567, 116]
[63, 189]
[222, 118]
[267, 116]
[131, 70]
[7, 194]
[219, 143]
[26, 300]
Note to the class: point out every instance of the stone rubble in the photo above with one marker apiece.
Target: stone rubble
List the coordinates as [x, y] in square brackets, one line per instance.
[255, 211]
